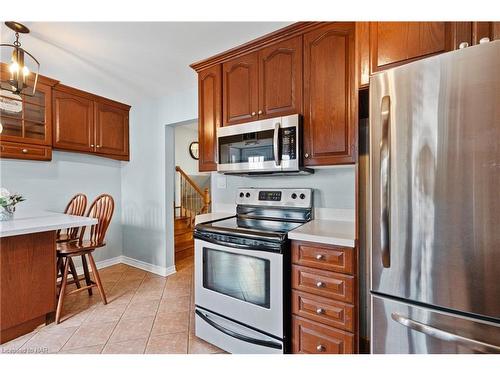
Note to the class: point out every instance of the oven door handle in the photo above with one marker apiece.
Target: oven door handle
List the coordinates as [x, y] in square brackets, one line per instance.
[239, 336]
[200, 236]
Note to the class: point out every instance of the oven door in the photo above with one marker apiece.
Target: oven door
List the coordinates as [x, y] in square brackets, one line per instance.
[240, 284]
[270, 145]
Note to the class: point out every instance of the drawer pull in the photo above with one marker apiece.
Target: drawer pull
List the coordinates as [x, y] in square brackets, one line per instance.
[320, 257]
[320, 284]
[25, 150]
[320, 311]
[320, 348]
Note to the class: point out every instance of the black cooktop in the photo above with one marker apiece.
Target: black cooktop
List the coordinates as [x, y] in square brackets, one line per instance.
[248, 227]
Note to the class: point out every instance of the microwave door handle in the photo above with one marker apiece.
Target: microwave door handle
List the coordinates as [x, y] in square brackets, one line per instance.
[238, 336]
[385, 181]
[445, 335]
[276, 141]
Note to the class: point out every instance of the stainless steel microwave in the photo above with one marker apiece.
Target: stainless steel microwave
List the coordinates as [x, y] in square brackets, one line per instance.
[266, 146]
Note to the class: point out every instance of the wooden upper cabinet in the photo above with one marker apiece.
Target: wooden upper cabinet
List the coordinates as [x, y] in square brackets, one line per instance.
[84, 122]
[73, 120]
[209, 116]
[329, 95]
[240, 89]
[111, 129]
[395, 43]
[481, 30]
[280, 79]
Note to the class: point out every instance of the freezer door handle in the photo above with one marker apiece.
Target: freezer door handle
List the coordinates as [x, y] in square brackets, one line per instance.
[385, 181]
[445, 335]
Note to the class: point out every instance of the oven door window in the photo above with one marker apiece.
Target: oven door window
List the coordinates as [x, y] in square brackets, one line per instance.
[243, 277]
[252, 148]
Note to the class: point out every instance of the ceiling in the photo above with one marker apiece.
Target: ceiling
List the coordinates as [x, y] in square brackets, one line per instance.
[150, 57]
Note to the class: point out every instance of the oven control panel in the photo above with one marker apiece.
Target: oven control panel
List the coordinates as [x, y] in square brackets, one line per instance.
[275, 197]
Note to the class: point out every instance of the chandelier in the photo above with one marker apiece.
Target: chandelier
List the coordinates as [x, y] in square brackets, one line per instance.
[18, 70]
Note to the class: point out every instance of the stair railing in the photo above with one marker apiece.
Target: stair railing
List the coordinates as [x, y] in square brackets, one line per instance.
[193, 199]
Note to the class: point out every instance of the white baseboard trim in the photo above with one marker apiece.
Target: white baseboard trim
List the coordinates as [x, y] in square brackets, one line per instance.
[158, 270]
[162, 271]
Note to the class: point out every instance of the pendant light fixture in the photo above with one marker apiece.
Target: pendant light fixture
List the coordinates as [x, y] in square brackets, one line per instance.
[19, 72]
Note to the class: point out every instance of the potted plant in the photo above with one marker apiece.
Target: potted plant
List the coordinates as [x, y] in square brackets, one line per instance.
[8, 203]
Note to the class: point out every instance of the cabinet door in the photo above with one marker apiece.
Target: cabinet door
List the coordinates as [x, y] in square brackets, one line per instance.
[111, 130]
[280, 79]
[395, 43]
[240, 89]
[329, 95]
[481, 30]
[27, 119]
[73, 121]
[209, 116]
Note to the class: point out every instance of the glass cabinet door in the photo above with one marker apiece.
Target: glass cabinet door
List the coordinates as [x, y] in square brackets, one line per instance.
[26, 119]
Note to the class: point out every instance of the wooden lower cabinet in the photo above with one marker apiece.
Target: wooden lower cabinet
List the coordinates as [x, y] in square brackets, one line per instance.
[27, 282]
[324, 303]
[309, 337]
[323, 310]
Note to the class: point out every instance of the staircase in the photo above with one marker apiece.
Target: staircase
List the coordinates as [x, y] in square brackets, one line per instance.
[193, 201]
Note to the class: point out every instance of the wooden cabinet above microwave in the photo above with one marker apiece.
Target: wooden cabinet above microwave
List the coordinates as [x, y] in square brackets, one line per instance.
[263, 84]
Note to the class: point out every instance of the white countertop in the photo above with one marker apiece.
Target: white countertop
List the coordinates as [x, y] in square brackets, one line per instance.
[331, 232]
[203, 218]
[41, 221]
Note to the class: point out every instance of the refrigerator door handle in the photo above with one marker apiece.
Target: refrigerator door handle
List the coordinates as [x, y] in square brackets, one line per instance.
[445, 335]
[385, 180]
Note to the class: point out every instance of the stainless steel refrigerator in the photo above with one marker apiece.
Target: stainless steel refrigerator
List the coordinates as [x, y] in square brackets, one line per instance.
[435, 204]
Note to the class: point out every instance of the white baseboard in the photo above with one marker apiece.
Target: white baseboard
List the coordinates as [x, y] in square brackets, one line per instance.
[158, 270]
[162, 271]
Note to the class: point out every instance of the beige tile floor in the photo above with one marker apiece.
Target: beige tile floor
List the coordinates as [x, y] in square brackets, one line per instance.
[146, 313]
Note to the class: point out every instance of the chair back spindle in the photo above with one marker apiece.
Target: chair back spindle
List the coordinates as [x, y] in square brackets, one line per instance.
[76, 206]
[101, 209]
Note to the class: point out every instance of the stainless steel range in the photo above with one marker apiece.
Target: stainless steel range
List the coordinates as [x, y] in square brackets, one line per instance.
[242, 270]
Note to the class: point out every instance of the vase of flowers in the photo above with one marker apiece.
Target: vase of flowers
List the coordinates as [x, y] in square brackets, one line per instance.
[8, 203]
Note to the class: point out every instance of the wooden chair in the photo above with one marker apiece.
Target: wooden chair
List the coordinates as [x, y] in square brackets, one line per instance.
[76, 206]
[102, 209]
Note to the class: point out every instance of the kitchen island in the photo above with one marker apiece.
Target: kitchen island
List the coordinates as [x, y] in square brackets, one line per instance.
[28, 269]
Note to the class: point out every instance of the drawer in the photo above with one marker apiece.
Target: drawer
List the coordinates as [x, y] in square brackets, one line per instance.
[326, 257]
[309, 337]
[323, 310]
[22, 151]
[324, 283]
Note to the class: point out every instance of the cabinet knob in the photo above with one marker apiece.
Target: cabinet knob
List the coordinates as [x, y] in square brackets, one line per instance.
[25, 150]
[320, 311]
[463, 45]
[484, 40]
[260, 112]
[97, 146]
[320, 257]
[320, 348]
[320, 284]
[306, 155]
[91, 145]
[253, 113]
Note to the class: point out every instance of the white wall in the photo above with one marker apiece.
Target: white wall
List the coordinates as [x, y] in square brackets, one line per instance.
[50, 185]
[184, 135]
[147, 186]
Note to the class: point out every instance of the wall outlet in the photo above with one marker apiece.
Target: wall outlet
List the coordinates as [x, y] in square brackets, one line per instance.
[221, 182]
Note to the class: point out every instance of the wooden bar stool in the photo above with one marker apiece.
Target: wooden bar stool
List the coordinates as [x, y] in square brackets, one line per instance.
[76, 206]
[102, 209]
